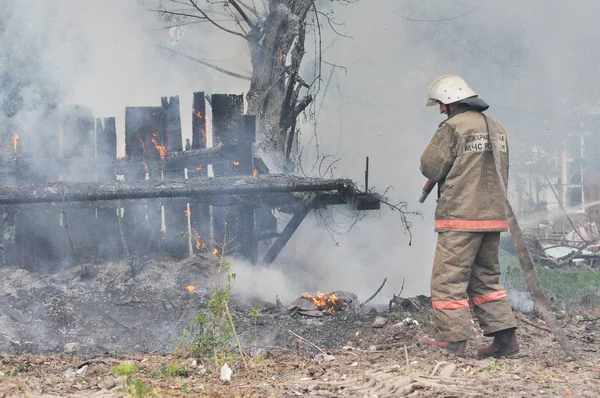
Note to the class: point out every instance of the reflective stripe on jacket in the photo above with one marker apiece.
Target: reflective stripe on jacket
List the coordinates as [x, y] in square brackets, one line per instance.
[459, 157]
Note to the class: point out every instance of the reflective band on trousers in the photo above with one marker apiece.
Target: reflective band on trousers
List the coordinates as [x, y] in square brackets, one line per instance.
[486, 298]
[449, 305]
[472, 224]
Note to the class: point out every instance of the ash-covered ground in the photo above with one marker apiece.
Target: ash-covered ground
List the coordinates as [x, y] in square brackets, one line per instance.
[110, 317]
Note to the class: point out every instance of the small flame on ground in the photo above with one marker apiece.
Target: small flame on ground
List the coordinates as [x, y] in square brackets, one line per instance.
[330, 302]
[215, 252]
[255, 172]
[190, 288]
[196, 113]
[198, 242]
[187, 212]
[15, 139]
[199, 168]
[236, 162]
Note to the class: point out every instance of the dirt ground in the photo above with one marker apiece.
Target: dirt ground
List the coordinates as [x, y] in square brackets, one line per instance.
[365, 362]
[110, 317]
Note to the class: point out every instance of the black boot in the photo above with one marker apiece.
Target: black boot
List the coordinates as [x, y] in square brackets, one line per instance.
[455, 347]
[505, 344]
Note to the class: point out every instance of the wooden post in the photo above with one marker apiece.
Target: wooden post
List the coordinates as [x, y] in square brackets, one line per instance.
[106, 227]
[145, 142]
[174, 140]
[227, 125]
[175, 212]
[199, 121]
[199, 213]
[247, 216]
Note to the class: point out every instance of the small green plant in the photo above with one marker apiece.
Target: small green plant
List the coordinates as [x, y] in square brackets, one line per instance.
[137, 389]
[494, 367]
[212, 331]
[14, 372]
[125, 369]
[115, 353]
[174, 370]
[185, 389]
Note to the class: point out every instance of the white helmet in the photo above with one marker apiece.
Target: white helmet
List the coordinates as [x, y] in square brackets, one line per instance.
[448, 89]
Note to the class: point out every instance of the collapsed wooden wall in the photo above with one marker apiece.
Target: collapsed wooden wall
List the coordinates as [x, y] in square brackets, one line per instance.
[78, 148]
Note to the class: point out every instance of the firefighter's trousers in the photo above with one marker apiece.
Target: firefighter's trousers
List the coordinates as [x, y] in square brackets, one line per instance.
[466, 272]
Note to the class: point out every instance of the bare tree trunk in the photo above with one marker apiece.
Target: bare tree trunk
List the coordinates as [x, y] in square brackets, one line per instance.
[275, 84]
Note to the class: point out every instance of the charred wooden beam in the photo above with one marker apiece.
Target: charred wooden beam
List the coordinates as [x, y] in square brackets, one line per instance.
[197, 188]
[287, 233]
[198, 121]
[172, 129]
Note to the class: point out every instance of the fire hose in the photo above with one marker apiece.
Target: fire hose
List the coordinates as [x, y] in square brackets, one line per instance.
[427, 188]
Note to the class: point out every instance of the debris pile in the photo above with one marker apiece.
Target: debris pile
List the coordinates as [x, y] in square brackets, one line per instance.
[321, 303]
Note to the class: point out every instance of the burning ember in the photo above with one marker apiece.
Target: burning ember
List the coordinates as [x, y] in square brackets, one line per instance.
[215, 252]
[199, 168]
[318, 305]
[15, 139]
[255, 172]
[196, 113]
[199, 243]
[190, 288]
[187, 213]
[236, 162]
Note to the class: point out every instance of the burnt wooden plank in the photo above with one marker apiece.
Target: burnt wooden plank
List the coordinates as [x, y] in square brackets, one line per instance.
[198, 121]
[173, 140]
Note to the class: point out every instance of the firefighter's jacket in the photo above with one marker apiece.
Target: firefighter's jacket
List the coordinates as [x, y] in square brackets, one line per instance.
[459, 157]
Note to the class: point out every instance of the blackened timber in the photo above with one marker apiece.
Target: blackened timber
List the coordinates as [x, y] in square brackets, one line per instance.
[199, 121]
[227, 130]
[106, 139]
[197, 188]
[144, 132]
[287, 233]
[247, 215]
[172, 130]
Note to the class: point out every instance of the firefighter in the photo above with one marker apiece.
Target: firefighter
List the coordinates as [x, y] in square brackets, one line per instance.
[469, 217]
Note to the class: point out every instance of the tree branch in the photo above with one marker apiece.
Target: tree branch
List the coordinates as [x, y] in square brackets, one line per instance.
[301, 106]
[202, 62]
[181, 14]
[205, 15]
[242, 14]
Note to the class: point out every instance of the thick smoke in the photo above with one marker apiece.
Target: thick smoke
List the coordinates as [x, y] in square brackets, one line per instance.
[102, 55]
[537, 74]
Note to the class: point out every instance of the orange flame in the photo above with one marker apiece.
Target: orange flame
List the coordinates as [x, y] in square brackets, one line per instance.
[161, 149]
[187, 213]
[199, 168]
[255, 172]
[15, 139]
[191, 289]
[198, 242]
[215, 251]
[143, 146]
[196, 113]
[329, 302]
[236, 162]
